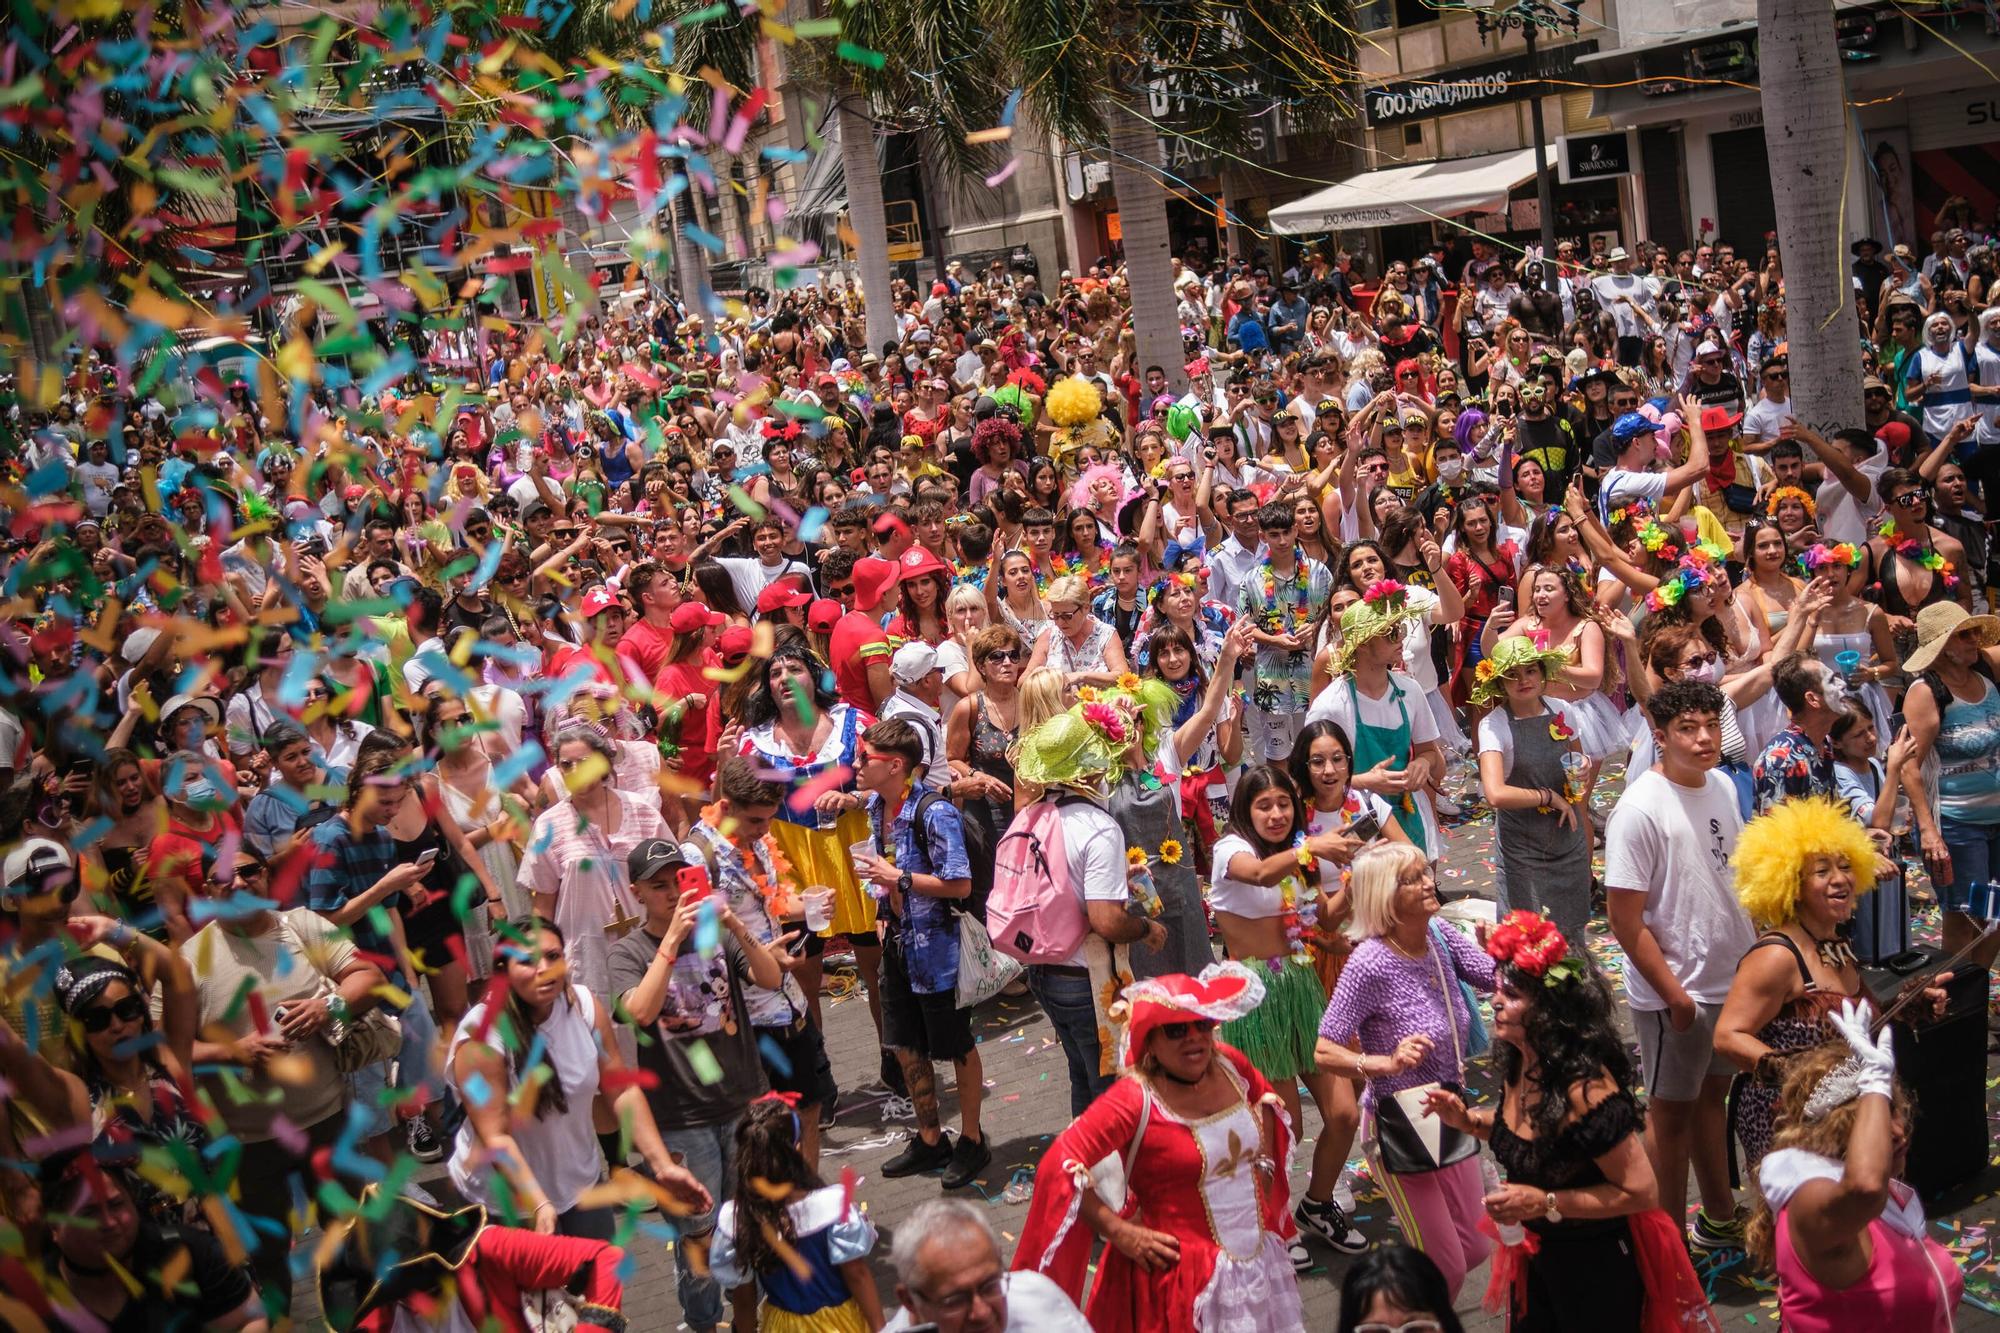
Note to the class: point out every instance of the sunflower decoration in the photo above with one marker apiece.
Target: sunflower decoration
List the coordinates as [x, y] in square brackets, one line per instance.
[1171, 852]
[1128, 681]
[1135, 857]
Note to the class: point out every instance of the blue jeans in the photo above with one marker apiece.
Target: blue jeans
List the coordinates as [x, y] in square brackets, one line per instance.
[1975, 857]
[413, 1058]
[709, 1152]
[1066, 1000]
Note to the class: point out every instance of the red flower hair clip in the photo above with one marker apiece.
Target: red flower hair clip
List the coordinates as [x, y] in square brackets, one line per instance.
[1530, 943]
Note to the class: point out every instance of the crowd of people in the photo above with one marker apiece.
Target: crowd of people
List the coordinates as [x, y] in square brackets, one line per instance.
[499, 767]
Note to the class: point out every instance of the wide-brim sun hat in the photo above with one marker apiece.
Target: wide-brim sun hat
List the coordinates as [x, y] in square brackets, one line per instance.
[1383, 607]
[1935, 626]
[1511, 654]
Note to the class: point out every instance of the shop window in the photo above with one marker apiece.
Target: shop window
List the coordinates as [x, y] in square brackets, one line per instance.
[1371, 15]
[1413, 136]
[1410, 13]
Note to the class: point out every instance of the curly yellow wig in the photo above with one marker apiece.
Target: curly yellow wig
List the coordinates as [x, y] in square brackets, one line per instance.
[1074, 401]
[1773, 849]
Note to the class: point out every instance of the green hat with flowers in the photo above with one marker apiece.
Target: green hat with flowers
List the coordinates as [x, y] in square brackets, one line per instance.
[1089, 742]
[1383, 608]
[1489, 678]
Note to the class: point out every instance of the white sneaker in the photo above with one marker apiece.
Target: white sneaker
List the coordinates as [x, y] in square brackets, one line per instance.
[1445, 806]
[1343, 1195]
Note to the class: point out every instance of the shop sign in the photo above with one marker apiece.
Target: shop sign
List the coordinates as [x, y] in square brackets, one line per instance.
[1593, 157]
[1469, 87]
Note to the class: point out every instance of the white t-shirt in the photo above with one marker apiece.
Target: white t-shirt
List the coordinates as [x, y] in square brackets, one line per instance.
[1842, 518]
[1336, 703]
[1035, 1304]
[1673, 844]
[1764, 418]
[1987, 409]
[750, 575]
[1094, 847]
[1234, 895]
[1621, 487]
[952, 660]
[1610, 286]
[1497, 736]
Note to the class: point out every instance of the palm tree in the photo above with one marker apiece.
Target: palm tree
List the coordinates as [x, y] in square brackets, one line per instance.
[1805, 136]
[1087, 67]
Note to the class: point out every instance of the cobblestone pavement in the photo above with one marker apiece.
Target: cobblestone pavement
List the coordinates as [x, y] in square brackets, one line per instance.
[1027, 1102]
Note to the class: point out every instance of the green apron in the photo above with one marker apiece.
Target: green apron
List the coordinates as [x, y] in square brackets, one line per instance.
[1372, 745]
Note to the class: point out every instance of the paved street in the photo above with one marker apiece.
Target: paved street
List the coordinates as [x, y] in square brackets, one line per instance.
[1027, 1101]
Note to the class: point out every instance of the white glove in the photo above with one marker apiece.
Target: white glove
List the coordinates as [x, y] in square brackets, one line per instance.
[1877, 1054]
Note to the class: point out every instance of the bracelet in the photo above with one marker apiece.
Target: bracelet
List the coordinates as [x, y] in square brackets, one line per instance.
[336, 1007]
[543, 1204]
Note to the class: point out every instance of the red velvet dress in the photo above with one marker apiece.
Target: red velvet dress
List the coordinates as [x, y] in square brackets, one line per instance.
[1197, 1181]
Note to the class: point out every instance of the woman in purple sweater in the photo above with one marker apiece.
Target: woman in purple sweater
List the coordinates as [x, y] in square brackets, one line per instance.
[1398, 1020]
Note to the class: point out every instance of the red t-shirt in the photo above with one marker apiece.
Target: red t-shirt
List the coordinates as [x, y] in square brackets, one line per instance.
[857, 640]
[647, 646]
[697, 730]
[186, 856]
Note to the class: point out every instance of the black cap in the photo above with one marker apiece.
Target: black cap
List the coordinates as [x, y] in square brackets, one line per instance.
[652, 856]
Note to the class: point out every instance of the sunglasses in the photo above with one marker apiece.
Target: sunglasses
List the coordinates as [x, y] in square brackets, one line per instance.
[1179, 1031]
[1004, 655]
[1909, 500]
[842, 590]
[101, 1016]
[1777, 375]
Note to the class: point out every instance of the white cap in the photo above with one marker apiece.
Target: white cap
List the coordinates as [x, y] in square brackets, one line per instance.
[912, 662]
[136, 644]
[1616, 255]
[1707, 349]
[33, 859]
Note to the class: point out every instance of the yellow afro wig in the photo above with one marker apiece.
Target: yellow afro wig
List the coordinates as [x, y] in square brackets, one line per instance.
[1774, 848]
[1074, 401]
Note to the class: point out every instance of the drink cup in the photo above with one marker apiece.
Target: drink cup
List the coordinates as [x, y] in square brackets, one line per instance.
[1573, 766]
[819, 908]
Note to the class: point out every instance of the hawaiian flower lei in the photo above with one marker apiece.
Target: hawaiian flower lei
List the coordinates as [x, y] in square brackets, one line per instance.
[1298, 909]
[1820, 555]
[1530, 944]
[1924, 555]
[1280, 618]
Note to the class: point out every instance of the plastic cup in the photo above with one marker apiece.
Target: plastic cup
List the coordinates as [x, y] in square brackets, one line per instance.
[819, 908]
[867, 848]
[1847, 661]
[1573, 765]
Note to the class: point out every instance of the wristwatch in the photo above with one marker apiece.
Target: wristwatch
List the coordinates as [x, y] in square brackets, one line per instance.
[903, 883]
[1551, 1213]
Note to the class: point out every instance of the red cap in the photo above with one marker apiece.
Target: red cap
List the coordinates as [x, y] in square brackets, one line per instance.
[890, 522]
[691, 616]
[1895, 434]
[823, 616]
[734, 643]
[873, 577]
[918, 561]
[1715, 419]
[786, 592]
[599, 599]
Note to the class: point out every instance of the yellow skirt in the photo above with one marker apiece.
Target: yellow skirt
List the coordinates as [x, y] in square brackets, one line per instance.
[820, 857]
[843, 1318]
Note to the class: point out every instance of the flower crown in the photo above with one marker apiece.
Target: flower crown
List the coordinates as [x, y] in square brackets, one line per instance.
[1821, 555]
[1691, 575]
[1530, 944]
[1784, 493]
[1637, 511]
[1386, 593]
[1658, 541]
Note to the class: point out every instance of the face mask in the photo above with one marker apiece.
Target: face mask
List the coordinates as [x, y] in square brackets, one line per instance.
[1709, 673]
[1450, 469]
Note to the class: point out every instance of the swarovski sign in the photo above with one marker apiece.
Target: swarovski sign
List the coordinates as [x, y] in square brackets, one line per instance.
[1493, 83]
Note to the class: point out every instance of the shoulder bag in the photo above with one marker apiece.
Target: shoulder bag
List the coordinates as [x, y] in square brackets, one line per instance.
[359, 1042]
[1408, 1139]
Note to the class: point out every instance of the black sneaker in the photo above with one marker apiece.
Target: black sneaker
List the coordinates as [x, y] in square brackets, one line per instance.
[918, 1156]
[1709, 1234]
[423, 1141]
[1327, 1222]
[968, 1159]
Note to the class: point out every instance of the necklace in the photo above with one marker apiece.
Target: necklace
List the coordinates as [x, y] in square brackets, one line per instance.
[1282, 618]
[1414, 957]
[1837, 952]
[1926, 556]
[1298, 910]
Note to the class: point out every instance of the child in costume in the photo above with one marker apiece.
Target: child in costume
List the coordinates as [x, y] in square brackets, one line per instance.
[801, 1244]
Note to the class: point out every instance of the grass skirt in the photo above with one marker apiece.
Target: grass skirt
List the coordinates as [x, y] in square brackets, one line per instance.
[1279, 1035]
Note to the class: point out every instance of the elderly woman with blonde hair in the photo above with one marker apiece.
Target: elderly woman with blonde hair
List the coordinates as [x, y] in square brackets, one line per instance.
[1399, 1020]
[1078, 644]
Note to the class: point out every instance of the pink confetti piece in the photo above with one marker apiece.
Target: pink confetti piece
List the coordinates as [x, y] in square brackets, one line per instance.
[1013, 165]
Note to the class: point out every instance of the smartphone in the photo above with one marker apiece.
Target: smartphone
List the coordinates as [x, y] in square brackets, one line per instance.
[1367, 828]
[1504, 597]
[692, 880]
[1504, 408]
[427, 855]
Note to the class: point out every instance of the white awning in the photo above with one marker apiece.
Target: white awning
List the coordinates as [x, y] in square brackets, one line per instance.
[1411, 193]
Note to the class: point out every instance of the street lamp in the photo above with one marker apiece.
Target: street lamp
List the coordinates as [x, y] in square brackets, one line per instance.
[1532, 17]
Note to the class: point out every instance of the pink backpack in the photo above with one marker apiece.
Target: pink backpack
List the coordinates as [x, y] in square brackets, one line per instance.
[1033, 912]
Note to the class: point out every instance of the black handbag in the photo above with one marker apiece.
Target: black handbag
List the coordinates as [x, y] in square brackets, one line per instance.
[1399, 1145]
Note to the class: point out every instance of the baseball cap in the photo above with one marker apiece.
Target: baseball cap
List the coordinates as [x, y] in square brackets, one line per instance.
[823, 615]
[1895, 434]
[689, 617]
[734, 645]
[1707, 349]
[30, 863]
[599, 600]
[652, 856]
[786, 592]
[889, 523]
[1873, 384]
[912, 662]
[919, 561]
[1631, 424]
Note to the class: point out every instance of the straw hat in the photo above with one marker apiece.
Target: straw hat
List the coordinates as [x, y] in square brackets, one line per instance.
[1508, 656]
[1384, 608]
[1935, 626]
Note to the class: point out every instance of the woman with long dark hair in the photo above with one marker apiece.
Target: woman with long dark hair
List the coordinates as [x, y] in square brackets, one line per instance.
[1174, 659]
[541, 1152]
[717, 589]
[1569, 1130]
[789, 1236]
[1396, 1289]
[1481, 566]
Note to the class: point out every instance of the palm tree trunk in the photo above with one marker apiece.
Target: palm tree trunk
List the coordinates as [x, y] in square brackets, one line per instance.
[865, 213]
[1142, 217]
[1805, 135]
[690, 261]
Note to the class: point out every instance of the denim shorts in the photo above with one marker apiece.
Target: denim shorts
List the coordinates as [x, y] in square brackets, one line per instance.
[1975, 858]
